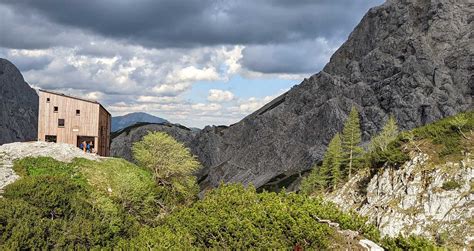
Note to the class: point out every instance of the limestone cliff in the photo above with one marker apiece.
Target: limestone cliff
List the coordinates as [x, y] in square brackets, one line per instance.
[422, 197]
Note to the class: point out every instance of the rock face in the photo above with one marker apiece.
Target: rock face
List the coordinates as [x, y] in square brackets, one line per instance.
[18, 106]
[122, 141]
[120, 122]
[15, 151]
[416, 199]
[412, 59]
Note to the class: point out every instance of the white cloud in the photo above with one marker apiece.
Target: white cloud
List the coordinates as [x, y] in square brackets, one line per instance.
[220, 95]
[252, 104]
[206, 107]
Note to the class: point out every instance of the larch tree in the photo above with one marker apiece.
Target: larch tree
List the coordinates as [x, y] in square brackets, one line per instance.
[316, 181]
[351, 138]
[388, 134]
[331, 167]
[329, 173]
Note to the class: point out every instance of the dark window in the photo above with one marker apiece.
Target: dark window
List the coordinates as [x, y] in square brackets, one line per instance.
[56, 109]
[50, 138]
[47, 100]
[61, 122]
[78, 112]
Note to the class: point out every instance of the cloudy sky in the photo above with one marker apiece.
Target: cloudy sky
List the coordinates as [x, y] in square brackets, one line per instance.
[194, 62]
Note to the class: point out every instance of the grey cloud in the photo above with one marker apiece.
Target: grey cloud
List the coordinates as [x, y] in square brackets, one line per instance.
[25, 63]
[188, 23]
[307, 56]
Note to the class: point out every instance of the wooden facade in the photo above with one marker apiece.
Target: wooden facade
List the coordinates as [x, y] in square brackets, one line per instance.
[72, 120]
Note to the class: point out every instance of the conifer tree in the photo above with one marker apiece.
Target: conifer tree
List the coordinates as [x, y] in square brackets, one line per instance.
[332, 161]
[329, 173]
[388, 134]
[314, 182]
[351, 138]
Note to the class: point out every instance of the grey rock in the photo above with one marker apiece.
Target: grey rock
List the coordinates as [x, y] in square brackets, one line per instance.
[411, 200]
[410, 59]
[122, 141]
[18, 106]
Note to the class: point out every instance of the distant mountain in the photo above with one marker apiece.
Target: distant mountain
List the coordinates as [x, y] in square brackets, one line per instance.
[121, 122]
[18, 106]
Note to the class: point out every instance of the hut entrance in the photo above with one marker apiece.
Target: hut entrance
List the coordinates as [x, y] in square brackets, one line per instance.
[87, 139]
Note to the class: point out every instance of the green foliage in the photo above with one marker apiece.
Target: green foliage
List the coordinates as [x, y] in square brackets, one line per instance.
[388, 134]
[447, 132]
[351, 138]
[118, 182]
[451, 185]
[172, 166]
[393, 154]
[315, 182]
[45, 212]
[40, 166]
[331, 166]
[81, 205]
[329, 174]
[234, 217]
[408, 243]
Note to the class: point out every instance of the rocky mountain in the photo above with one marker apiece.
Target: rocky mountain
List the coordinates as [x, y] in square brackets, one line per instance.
[121, 145]
[18, 106]
[410, 59]
[120, 122]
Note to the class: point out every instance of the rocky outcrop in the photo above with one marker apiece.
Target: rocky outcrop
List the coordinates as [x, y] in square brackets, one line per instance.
[15, 151]
[412, 59]
[435, 200]
[122, 141]
[18, 106]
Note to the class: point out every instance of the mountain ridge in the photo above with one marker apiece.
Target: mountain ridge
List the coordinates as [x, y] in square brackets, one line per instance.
[120, 122]
[407, 59]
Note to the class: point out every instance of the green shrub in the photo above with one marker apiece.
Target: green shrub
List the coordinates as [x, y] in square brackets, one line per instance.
[392, 155]
[450, 185]
[82, 204]
[447, 132]
[118, 183]
[45, 212]
[408, 243]
[234, 217]
[172, 166]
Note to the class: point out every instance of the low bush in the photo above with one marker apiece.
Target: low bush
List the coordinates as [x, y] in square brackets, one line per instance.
[234, 217]
[451, 185]
[401, 243]
[47, 212]
[447, 132]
